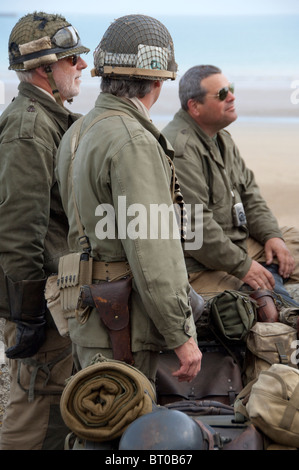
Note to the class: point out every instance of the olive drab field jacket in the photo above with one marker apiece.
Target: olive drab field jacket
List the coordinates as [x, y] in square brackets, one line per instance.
[213, 174]
[33, 227]
[120, 167]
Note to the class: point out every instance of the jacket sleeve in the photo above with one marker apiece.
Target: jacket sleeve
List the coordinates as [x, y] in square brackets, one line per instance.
[25, 184]
[218, 251]
[261, 223]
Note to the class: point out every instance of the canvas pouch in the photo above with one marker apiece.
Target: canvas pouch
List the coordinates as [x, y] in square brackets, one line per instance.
[63, 290]
[267, 344]
[231, 315]
[273, 404]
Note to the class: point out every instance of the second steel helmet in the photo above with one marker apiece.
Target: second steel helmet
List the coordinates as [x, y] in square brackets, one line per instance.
[41, 39]
[165, 429]
[136, 46]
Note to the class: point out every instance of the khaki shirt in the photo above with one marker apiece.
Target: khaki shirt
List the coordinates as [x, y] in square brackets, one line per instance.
[213, 174]
[33, 228]
[121, 163]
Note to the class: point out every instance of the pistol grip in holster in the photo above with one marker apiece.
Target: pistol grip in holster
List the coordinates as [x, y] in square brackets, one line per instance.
[111, 300]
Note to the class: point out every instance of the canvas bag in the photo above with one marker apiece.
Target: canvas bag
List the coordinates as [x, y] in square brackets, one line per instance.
[273, 404]
[267, 344]
[231, 315]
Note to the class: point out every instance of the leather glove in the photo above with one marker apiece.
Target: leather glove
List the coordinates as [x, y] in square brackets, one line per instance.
[29, 338]
[28, 310]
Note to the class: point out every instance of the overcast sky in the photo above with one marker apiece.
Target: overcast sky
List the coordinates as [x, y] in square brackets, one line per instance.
[154, 7]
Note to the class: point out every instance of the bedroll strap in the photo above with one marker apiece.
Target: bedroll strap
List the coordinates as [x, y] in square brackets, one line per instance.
[283, 358]
[291, 409]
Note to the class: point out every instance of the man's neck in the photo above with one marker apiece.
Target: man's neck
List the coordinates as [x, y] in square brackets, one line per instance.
[140, 106]
[45, 91]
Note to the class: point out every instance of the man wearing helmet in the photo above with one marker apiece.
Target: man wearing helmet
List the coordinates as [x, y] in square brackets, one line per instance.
[122, 160]
[44, 50]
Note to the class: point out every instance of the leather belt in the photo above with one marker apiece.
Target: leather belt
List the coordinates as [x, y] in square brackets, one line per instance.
[110, 271]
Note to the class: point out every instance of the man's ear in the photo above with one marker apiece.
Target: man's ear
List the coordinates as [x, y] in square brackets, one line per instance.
[194, 108]
[158, 83]
[40, 71]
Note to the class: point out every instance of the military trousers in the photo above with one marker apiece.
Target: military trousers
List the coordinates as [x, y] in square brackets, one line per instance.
[32, 419]
[145, 361]
[208, 283]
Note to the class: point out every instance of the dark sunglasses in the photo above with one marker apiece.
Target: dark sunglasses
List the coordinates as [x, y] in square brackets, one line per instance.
[222, 94]
[73, 59]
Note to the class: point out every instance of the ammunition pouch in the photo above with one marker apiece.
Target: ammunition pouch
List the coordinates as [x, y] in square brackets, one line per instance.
[111, 300]
[74, 270]
[63, 289]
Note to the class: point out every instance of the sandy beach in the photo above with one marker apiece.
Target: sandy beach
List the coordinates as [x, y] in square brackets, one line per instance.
[267, 133]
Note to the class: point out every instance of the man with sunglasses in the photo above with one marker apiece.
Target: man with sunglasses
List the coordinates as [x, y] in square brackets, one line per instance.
[242, 243]
[44, 51]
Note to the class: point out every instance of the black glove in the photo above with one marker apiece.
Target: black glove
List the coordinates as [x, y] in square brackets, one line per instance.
[29, 338]
[28, 309]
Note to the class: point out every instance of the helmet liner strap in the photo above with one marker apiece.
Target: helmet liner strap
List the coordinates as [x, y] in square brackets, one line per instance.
[53, 85]
[133, 71]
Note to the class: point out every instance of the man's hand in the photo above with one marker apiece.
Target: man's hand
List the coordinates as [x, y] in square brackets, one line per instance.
[259, 277]
[190, 361]
[29, 339]
[276, 248]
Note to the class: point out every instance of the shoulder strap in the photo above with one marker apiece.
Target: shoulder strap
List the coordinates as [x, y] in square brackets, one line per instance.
[75, 140]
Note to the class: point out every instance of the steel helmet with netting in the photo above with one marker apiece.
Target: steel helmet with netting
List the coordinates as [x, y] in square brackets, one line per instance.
[136, 46]
[41, 39]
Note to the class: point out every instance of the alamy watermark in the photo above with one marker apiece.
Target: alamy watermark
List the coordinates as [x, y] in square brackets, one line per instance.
[295, 353]
[295, 93]
[156, 221]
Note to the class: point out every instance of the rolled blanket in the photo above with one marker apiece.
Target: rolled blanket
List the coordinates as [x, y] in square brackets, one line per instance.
[100, 401]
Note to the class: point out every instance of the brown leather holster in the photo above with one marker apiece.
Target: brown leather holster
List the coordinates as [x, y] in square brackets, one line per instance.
[111, 300]
[266, 308]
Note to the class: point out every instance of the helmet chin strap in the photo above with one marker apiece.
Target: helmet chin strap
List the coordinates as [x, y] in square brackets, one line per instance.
[53, 85]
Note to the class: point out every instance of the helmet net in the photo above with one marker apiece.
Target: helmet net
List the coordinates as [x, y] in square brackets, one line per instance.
[136, 45]
[33, 27]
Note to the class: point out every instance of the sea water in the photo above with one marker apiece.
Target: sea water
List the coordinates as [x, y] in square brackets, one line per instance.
[246, 46]
[252, 51]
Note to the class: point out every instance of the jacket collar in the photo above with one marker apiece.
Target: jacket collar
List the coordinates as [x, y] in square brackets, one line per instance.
[111, 102]
[61, 115]
[209, 142]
